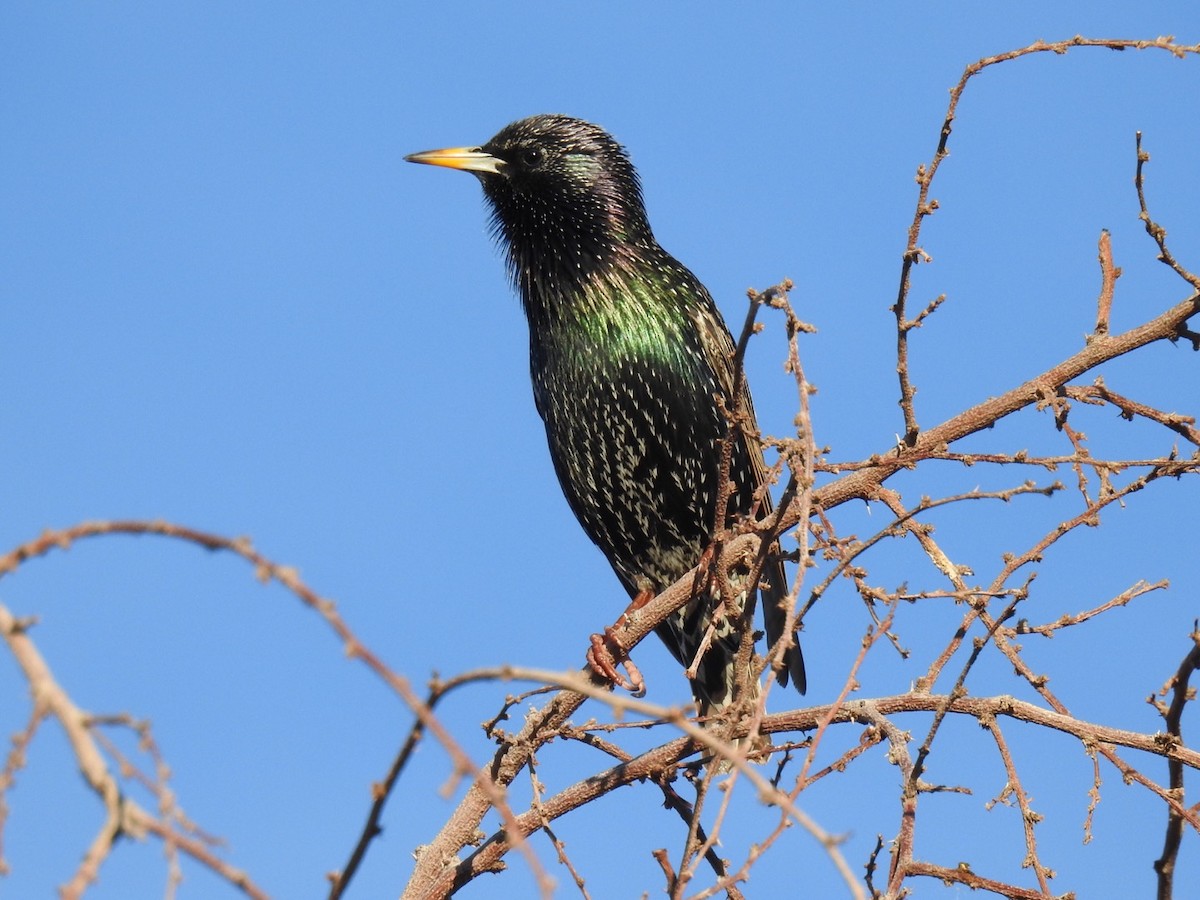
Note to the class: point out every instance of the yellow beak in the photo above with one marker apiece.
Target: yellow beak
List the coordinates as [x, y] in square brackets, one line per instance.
[469, 159]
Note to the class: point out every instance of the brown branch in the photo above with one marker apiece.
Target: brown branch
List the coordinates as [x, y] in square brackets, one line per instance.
[560, 847]
[962, 874]
[1012, 564]
[696, 842]
[850, 552]
[380, 792]
[925, 206]
[647, 766]
[1023, 458]
[122, 815]
[1029, 818]
[266, 570]
[1108, 283]
[1181, 425]
[1066, 621]
[15, 761]
[862, 484]
[866, 712]
[1180, 694]
[1156, 231]
[671, 798]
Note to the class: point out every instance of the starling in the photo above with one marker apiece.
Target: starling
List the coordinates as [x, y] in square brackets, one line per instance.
[628, 355]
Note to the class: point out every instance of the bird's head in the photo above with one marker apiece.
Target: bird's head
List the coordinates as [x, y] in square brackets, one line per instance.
[565, 198]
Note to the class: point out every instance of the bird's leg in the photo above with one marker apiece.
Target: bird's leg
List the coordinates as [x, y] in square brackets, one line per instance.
[705, 561]
[607, 652]
[705, 643]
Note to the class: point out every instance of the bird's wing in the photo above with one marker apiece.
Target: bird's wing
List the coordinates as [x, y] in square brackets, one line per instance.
[719, 349]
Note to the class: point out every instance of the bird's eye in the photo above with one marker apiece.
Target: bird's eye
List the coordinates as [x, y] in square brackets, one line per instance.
[532, 156]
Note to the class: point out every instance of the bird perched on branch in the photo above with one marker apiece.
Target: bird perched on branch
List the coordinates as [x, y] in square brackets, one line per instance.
[633, 375]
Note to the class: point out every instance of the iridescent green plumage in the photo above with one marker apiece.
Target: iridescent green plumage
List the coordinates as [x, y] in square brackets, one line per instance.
[628, 355]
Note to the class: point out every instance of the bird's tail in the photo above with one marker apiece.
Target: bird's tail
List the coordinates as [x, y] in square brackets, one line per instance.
[755, 746]
[715, 684]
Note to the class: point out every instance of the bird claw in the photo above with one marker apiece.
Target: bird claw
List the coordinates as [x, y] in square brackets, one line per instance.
[607, 652]
[605, 655]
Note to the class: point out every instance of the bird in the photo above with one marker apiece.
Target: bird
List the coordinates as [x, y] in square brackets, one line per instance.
[631, 364]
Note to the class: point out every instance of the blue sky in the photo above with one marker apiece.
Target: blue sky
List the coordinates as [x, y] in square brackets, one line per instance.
[226, 302]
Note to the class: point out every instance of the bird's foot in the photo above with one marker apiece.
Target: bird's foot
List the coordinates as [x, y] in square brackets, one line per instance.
[605, 655]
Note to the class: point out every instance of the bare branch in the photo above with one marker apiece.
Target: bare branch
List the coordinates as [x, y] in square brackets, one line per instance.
[1180, 695]
[122, 815]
